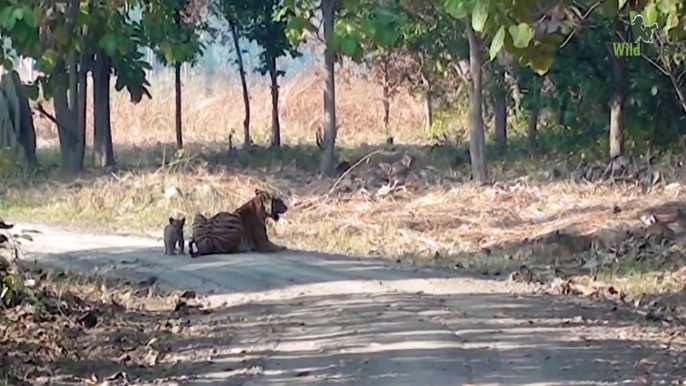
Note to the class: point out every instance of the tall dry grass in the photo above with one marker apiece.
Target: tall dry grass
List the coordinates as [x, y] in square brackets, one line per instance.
[209, 113]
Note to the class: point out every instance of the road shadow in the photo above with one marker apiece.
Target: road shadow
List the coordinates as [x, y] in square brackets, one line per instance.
[402, 339]
[303, 318]
[238, 273]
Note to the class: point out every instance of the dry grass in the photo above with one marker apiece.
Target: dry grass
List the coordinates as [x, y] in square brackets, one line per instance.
[209, 115]
[443, 221]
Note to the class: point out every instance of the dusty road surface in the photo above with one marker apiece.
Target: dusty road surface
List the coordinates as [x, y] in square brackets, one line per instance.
[298, 318]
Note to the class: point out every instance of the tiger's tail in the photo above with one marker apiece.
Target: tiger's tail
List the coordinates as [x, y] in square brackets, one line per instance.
[191, 244]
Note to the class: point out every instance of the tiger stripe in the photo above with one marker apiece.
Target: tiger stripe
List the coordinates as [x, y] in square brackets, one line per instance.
[220, 234]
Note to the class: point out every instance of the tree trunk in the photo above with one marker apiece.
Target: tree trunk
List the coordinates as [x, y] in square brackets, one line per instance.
[532, 130]
[69, 101]
[82, 103]
[386, 97]
[327, 157]
[428, 111]
[177, 87]
[276, 127]
[428, 105]
[103, 149]
[244, 84]
[72, 141]
[617, 107]
[477, 140]
[500, 111]
[17, 131]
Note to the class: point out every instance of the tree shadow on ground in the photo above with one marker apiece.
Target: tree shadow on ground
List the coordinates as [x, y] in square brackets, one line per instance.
[400, 337]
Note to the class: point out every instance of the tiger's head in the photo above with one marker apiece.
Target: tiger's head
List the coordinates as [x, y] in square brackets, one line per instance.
[272, 205]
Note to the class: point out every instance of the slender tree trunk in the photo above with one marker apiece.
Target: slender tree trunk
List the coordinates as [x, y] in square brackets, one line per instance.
[244, 84]
[81, 114]
[477, 140]
[428, 111]
[532, 130]
[428, 104]
[617, 107]
[500, 134]
[177, 86]
[327, 157]
[386, 97]
[276, 126]
[102, 137]
[71, 134]
[500, 111]
[19, 135]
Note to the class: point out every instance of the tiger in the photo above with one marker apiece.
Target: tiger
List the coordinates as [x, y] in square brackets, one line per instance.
[219, 234]
[243, 230]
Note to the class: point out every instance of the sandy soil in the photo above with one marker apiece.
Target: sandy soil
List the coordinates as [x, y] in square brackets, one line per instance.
[299, 318]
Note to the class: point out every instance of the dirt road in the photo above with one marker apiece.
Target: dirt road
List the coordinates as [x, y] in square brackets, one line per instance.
[299, 318]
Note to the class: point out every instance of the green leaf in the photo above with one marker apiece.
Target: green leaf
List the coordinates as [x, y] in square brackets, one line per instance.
[610, 8]
[109, 44]
[348, 45]
[541, 64]
[541, 58]
[11, 21]
[5, 16]
[672, 19]
[521, 35]
[649, 14]
[61, 35]
[369, 27]
[480, 15]
[387, 35]
[49, 59]
[168, 53]
[18, 13]
[497, 43]
[456, 8]
[334, 44]
[30, 18]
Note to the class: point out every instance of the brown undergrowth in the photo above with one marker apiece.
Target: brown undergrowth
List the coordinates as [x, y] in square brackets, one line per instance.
[74, 330]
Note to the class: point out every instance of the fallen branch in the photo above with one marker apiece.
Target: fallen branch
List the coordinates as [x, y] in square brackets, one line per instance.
[366, 157]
